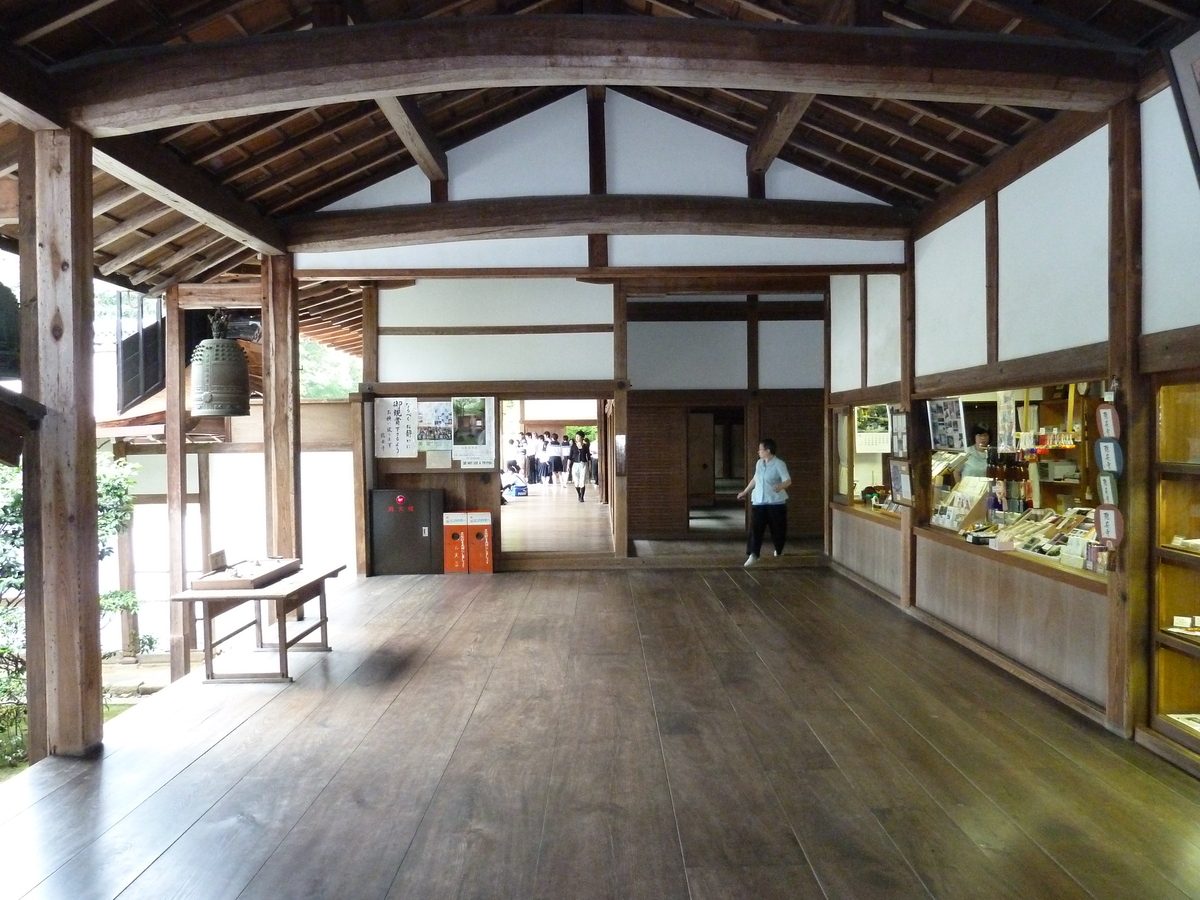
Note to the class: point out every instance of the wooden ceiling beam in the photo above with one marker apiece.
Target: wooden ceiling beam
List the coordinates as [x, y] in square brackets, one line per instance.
[152, 213]
[233, 139]
[890, 153]
[725, 283]
[348, 119]
[110, 200]
[957, 120]
[872, 172]
[167, 86]
[133, 254]
[422, 142]
[312, 163]
[214, 265]
[26, 96]
[401, 226]
[155, 171]
[195, 247]
[48, 18]
[780, 120]
[178, 25]
[1065, 24]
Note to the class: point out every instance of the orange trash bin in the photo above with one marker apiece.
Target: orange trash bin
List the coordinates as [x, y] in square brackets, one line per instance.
[454, 554]
[479, 541]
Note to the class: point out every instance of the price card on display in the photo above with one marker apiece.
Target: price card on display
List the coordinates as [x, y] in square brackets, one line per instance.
[1109, 456]
[1106, 484]
[1110, 526]
[1108, 421]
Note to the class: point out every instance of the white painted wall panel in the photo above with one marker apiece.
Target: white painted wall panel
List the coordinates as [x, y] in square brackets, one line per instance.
[496, 357]
[461, 302]
[1170, 220]
[845, 333]
[791, 354]
[738, 250]
[653, 152]
[152, 473]
[1054, 253]
[542, 154]
[951, 296]
[574, 411]
[665, 355]
[407, 187]
[492, 254]
[883, 329]
[788, 182]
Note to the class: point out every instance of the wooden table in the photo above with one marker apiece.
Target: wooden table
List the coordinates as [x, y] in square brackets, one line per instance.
[287, 595]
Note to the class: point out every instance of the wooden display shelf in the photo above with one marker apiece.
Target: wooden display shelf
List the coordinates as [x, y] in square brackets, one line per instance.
[891, 519]
[1179, 642]
[1097, 584]
[246, 575]
[1177, 732]
[1178, 557]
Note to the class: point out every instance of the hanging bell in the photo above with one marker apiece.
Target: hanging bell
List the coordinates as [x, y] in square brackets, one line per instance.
[220, 379]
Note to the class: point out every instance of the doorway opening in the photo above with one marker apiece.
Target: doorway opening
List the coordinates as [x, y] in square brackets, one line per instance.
[716, 465]
[543, 510]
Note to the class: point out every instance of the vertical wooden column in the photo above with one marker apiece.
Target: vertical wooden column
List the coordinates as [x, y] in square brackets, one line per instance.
[281, 405]
[863, 335]
[130, 629]
[909, 515]
[62, 577]
[1129, 587]
[182, 639]
[370, 332]
[620, 481]
[752, 373]
[597, 169]
[831, 469]
[991, 245]
[358, 440]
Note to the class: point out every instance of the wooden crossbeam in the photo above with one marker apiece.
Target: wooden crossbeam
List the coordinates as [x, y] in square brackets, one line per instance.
[133, 254]
[26, 96]
[8, 201]
[167, 86]
[155, 171]
[778, 123]
[401, 226]
[49, 17]
[414, 130]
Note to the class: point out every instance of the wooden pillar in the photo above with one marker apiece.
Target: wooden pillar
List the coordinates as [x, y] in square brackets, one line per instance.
[831, 457]
[909, 515]
[281, 405]
[362, 483]
[597, 169]
[176, 439]
[620, 496]
[130, 628]
[62, 553]
[1129, 587]
[370, 332]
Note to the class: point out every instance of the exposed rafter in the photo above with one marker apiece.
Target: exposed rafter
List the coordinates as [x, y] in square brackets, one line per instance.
[779, 121]
[188, 83]
[410, 124]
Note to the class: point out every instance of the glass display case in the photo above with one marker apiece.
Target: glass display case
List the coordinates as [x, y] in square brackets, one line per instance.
[1176, 678]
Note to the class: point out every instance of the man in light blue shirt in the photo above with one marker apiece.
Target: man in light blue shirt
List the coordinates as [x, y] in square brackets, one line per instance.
[768, 500]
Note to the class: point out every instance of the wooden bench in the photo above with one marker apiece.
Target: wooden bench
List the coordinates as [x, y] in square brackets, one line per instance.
[287, 595]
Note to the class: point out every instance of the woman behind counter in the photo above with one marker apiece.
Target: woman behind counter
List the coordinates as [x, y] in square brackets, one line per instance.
[976, 463]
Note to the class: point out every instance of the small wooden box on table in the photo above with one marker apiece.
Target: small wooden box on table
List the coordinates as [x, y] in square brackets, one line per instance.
[285, 595]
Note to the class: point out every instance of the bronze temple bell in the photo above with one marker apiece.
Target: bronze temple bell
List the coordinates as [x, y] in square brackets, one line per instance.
[220, 373]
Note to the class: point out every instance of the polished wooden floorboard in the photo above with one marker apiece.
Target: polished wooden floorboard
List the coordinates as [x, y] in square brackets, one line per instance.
[678, 733]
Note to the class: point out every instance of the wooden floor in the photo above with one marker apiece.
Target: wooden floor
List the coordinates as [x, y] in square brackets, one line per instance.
[761, 733]
[551, 518]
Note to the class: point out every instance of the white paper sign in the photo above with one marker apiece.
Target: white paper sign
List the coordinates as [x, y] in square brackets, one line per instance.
[395, 427]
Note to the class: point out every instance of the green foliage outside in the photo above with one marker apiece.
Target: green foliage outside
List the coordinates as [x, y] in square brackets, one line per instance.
[589, 432]
[114, 481]
[326, 374]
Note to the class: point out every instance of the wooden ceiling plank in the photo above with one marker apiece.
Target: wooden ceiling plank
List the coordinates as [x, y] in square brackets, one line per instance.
[193, 19]
[133, 254]
[901, 128]
[422, 142]
[160, 174]
[957, 120]
[231, 255]
[1058, 21]
[152, 213]
[110, 200]
[321, 189]
[197, 246]
[258, 161]
[49, 17]
[247, 132]
[591, 214]
[310, 164]
[840, 161]
[893, 154]
[173, 85]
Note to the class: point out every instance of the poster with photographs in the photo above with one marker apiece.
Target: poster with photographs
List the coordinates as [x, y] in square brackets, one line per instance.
[395, 427]
[872, 429]
[947, 430]
[435, 425]
[474, 429]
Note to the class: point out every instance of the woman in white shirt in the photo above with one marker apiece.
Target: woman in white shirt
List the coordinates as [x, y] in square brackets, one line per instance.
[768, 500]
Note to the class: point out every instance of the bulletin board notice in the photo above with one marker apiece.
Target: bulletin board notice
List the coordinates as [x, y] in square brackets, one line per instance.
[420, 435]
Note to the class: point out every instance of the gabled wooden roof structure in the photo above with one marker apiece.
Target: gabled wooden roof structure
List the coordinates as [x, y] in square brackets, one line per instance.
[222, 125]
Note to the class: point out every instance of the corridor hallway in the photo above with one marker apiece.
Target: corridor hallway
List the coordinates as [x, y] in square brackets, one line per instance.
[675, 733]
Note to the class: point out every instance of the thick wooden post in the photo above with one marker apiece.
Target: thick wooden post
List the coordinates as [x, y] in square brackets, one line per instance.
[620, 497]
[62, 577]
[281, 405]
[176, 438]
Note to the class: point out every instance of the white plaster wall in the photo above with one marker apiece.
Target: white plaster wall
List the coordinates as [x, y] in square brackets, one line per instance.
[652, 152]
[740, 250]
[788, 182]
[791, 354]
[1170, 220]
[687, 355]
[951, 296]
[883, 329]
[152, 473]
[461, 302]
[544, 153]
[501, 253]
[845, 333]
[407, 187]
[575, 411]
[1053, 236]
[327, 508]
[496, 357]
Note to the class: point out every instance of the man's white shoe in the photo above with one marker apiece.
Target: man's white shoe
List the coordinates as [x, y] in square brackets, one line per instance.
[750, 560]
